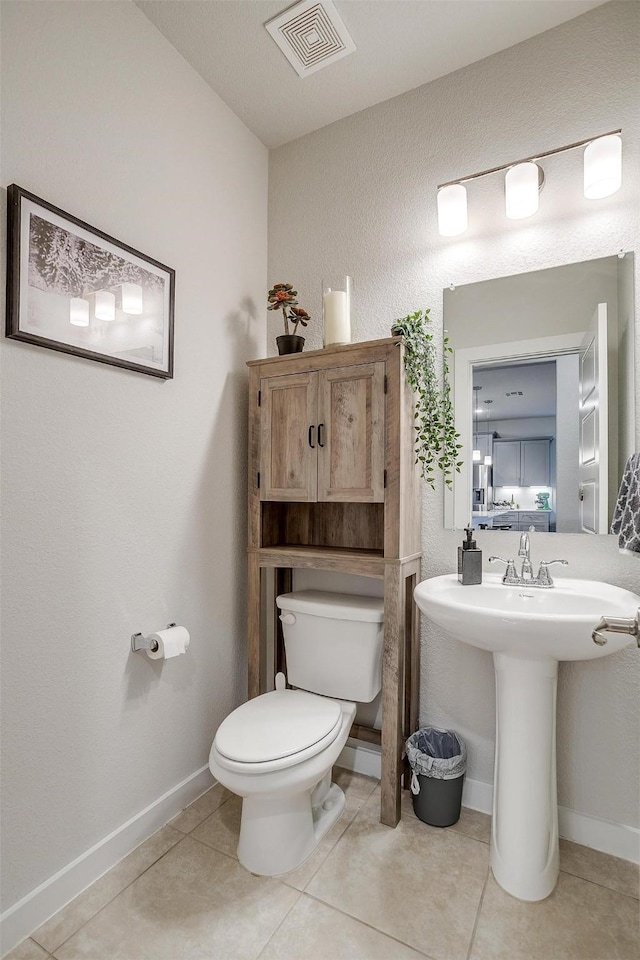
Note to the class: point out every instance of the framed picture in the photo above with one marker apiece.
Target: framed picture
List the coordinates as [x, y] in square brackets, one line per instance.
[75, 289]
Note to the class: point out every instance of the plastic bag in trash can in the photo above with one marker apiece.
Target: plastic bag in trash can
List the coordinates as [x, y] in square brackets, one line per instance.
[437, 753]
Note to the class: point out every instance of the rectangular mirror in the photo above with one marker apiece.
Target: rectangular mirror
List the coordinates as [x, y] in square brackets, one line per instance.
[543, 386]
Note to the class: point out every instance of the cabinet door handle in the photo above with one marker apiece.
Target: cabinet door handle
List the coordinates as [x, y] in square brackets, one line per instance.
[320, 426]
[311, 443]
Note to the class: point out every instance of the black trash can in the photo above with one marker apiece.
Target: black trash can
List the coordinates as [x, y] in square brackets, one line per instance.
[438, 760]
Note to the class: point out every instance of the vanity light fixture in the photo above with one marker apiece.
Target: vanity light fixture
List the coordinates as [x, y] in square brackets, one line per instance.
[79, 312]
[452, 210]
[524, 179]
[603, 167]
[522, 186]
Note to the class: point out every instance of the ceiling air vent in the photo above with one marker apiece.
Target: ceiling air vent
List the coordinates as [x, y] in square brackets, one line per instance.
[311, 35]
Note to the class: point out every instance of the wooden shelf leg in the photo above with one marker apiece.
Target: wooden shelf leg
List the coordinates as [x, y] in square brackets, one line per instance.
[392, 693]
[254, 594]
[412, 660]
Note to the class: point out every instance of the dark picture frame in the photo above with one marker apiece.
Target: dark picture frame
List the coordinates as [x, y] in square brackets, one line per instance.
[75, 289]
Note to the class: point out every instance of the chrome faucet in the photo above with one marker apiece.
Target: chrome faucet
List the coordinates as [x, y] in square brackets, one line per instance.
[524, 551]
[526, 577]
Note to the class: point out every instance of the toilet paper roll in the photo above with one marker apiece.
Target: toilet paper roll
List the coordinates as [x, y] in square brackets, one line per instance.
[171, 642]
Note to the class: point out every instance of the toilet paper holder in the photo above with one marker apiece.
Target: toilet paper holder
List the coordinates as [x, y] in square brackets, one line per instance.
[138, 642]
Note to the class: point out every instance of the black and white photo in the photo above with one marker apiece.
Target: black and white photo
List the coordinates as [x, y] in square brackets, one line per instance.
[74, 289]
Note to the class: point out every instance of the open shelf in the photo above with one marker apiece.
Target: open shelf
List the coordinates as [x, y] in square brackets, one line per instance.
[349, 526]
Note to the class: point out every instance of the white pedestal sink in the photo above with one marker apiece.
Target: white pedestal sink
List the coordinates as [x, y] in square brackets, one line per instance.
[528, 630]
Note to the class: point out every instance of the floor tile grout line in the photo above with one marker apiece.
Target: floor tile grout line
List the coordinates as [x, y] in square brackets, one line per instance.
[296, 901]
[187, 833]
[229, 856]
[441, 830]
[620, 893]
[329, 852]
[364, 923]
[109, 902]
[477, 918]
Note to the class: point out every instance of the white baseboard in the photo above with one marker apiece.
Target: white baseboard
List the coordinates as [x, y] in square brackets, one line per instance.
[360, 759]
[616, 839]
[32, 911]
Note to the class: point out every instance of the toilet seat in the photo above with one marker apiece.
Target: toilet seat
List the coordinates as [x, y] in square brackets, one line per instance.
[277, 730]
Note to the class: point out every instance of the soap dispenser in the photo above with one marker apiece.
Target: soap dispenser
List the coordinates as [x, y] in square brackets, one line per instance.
[469, 560]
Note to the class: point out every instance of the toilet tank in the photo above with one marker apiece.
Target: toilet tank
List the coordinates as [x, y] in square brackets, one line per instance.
[333, 643]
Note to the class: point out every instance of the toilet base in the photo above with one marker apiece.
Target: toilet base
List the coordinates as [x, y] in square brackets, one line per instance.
[278, 833]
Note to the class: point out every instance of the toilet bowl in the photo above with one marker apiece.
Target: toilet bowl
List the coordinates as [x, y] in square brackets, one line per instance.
[277, 750]
[288, 802]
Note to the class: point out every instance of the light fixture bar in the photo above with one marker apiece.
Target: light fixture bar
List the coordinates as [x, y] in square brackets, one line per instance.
[533, 158]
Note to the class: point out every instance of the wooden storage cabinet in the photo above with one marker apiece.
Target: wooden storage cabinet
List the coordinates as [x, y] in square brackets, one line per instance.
[322, 435]
[333, 485]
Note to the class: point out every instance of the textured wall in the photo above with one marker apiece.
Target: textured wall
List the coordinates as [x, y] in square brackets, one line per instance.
[124, 496]
[359, 197]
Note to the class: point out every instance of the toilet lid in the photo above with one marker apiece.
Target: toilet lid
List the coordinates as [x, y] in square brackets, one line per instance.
[277, 724]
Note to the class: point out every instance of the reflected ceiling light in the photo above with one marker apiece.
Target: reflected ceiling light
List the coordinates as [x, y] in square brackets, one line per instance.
[132, 298]
[488, 460]
[525, 177]
[105, 308]
[79, 312]
[452, 210]
[476, 455]
[522, 185]
[603, 167]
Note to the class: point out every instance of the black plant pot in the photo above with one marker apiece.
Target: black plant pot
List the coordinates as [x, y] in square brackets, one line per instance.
[289, 343]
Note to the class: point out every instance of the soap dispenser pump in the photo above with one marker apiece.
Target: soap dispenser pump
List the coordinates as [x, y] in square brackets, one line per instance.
[469, 560]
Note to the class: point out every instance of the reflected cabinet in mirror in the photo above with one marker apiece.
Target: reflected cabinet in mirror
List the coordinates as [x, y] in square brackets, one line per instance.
[543, 387]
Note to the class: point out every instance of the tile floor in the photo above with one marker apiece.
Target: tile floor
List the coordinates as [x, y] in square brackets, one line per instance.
[366, 892]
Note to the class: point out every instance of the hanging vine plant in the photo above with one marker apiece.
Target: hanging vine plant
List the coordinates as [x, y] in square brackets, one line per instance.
[437, 442]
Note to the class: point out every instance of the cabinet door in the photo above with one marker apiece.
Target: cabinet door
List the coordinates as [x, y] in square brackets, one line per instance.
[535, 463]
[539, 520]
[288, 437]
[351, 433]
[506, 463]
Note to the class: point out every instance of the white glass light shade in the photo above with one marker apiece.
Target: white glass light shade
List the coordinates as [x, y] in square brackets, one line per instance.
[476, 456]
[79, 312]
[132, 298]
[602, 167]
[488, 461]
[452, 210]
[521, 191]
[105, 305]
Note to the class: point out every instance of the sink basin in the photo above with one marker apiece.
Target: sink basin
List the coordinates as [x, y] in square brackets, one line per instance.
[528, 622]
[528, 630]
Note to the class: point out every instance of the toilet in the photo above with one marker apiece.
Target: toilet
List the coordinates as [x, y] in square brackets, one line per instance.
[277, 750]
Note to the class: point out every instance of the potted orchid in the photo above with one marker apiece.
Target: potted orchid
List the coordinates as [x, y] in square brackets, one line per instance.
[283, 297]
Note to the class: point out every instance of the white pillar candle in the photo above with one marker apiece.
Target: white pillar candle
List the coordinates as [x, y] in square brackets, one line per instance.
[337, 326]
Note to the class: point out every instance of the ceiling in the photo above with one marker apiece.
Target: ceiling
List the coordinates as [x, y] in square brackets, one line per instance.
[537, 381]
[400, 45]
